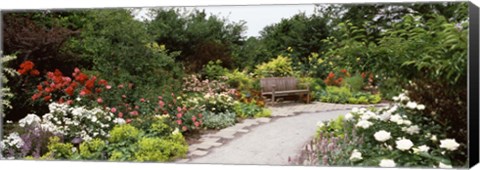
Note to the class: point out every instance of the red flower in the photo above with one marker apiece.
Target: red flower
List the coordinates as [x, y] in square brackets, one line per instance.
[179, 115]
[113, 110]
[34, 72]
[90, 83]
[331, 75]
[47, 98]
[179, 122]
[25, 67]
[36, 96]
[103, 82]
[85, 92]
[69, 91]
[57, 73]
[142, 100]
[39, 87]
[48, 89]
[98, 90]
[61, 100]
[344, 71]
[363, 75]
[81, 78]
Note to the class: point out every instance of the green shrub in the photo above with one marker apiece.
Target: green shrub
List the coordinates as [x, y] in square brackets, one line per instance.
[355, 83]
[213, 70]
[218, 121]
[363, 100]
[247, 110]
[158, 149]
[264, 113]
[159, 128]
[124, 133]
[239, 80]
[279, 67]
[375, 98]
[333, 94]
[93, 149]
[353, 100]
[58, 150]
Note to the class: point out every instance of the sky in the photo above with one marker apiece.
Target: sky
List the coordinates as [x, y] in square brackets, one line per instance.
[256, 17]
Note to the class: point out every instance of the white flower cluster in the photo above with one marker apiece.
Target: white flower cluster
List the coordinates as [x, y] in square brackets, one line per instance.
[394, 117]
[12, 141]
[73, 121]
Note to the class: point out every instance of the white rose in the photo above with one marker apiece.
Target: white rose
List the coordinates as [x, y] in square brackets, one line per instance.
[423, 148]
[449, 144]
[412, 105]
[421, 107]
[387, 163]
[395, 98]
[413, 130]
[404, 144]
[396, 118]
[348, 116]
[356, 155]
[441, 165]
[364, 124]
[382, 136]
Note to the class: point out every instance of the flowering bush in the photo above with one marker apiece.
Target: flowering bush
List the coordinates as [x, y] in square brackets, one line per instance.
[391, 136]
[335, 94]
[193, 83]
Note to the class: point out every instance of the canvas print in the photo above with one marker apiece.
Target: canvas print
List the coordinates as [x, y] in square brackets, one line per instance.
[367, 85]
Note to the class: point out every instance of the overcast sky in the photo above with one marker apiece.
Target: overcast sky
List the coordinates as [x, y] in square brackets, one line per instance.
[256, 17]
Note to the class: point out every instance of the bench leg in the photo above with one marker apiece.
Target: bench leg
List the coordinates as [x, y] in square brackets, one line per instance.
[273, 98]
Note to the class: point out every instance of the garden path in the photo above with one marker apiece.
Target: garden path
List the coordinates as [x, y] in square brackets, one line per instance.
[265, 140]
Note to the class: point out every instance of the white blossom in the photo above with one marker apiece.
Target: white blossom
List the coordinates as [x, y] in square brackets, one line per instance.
[413, 130]
[449, 144]
[30, 119]
[412, 105]
[348, 117]
[420, 107]
[364, 124]
[441, 165]
[320, 124]
[387, 163]
[404, 144]
[356, 155]
[423, 148]
[434, 138]
[382, 136]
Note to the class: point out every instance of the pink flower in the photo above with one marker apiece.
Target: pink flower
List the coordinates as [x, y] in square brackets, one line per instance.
[100, 100]
[134, 113]
[179, 115]
[179, 122]
[142, 100]
[124, 96]
[184, 128]
[137, 107]
[108, 87]
[179, 109]
[160, 98]
[113, 110]
[120, 86]
[120, 115]
[161, 103]
[129, 120]
[196, 124]
[69, 102]
[194, 118]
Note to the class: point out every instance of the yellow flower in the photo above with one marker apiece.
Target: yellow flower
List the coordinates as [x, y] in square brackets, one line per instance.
[330, 63]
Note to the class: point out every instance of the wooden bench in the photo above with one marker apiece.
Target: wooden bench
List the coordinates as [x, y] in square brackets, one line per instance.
[282, 86]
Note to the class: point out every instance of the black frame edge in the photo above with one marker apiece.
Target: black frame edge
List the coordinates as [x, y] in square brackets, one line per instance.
[473, 85]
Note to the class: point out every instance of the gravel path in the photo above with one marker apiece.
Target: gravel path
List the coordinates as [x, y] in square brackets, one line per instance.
[271, 143]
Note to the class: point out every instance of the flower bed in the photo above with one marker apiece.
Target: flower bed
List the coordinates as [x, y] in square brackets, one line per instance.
[395, 136]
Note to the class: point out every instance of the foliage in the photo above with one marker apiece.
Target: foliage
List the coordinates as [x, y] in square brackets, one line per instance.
[7, 72]
[247, 110]
[93, 149]
[111, 38]
[58, 150]
[213, 120]
[278, 67]
[355, 83]
[344, 95]
[157, 149]
[397, 133]
[264, 113]
[213, 70]
[240, 80]
[193, 83]
[199, 38]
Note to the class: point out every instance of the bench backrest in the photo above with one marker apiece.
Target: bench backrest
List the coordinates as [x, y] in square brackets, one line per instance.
[281, 83]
